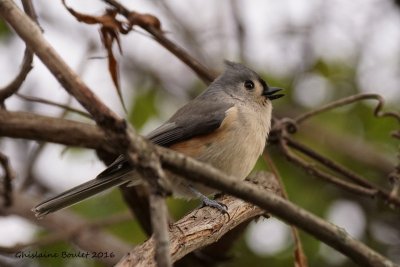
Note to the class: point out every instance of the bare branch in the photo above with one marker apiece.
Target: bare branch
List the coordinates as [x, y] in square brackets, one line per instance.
[33, 37]
[287, 211]
[52, 103]
[41, 128]
[159, 222]
[202, 227]
[158, 208]
[8, 176]
[15, 84]
[348, 100]
[299, 255]
[240, 29]
[382, 193]
[206, 75]
[136, 146]
[366, 153]
[203, 173]
[26, 66]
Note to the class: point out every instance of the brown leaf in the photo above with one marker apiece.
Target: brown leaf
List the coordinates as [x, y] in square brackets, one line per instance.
[109, 32]
[82, 17]
[144, 20]
[108, 38]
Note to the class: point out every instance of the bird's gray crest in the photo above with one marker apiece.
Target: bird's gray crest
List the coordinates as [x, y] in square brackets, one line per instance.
[239, 70]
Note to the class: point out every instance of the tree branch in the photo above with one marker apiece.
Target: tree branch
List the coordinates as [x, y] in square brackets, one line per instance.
[203, 173]
[26, 66]
[8, 176]
[159, 222]
[285, 210]
[206, 75]
[203, 226]
[34, 39]
[193, 170]
[41, 128]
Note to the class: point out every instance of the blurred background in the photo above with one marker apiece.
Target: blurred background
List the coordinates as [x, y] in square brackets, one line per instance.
[319, 51]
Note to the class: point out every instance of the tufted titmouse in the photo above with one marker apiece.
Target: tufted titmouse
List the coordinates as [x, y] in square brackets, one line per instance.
[226, 126]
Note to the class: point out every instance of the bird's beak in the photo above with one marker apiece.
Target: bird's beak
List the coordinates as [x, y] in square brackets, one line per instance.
[270, 93]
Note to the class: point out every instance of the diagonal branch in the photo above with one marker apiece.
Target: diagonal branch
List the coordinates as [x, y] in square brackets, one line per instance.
[380, 192]
[328, 233]
[205, 174]
[35, 40]
[193, 170]
[8, 177]
[15, 84]
[202, 227]
[206, 75]
[26, 66]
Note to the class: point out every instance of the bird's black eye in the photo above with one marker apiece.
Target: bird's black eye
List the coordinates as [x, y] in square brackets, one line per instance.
[249, 84]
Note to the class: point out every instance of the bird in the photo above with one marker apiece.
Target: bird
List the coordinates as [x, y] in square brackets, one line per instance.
[226, 126]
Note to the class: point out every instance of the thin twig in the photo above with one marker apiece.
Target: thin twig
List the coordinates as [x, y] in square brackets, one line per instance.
[206, 75]
[204, 173]
[328, 162]
[348, 145]
[348, 100]
[310, 168]
[299, 255]
[324, 231]
[26, 65]
[387, 196]
[30, 177]
[34, 38]
[8, 177]
[240, 29]
[188, 33]
[55, 104]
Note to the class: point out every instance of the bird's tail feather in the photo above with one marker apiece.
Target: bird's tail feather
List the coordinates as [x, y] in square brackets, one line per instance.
[78, 193]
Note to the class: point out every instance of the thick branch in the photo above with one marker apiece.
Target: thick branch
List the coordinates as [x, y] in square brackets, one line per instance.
[41, 128]
[180, 164]
[203, 173]
[330, 234]
[202, 227]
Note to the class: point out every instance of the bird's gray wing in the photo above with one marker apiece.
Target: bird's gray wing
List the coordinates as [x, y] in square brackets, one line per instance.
[197, 118]
[192, 120]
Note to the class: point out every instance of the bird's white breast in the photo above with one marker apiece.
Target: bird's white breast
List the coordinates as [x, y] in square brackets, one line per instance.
[234, 148]
[243, 140]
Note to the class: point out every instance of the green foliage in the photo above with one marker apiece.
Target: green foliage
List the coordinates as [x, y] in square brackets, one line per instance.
[111, 203]
[4, 30]
[144, 107]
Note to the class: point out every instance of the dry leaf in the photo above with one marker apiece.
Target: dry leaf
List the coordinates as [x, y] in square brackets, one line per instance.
[109, 33]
